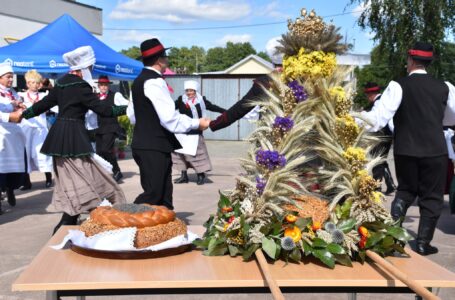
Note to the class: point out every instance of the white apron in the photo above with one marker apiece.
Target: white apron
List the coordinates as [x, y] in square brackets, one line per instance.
[35, 131]
[12, 144]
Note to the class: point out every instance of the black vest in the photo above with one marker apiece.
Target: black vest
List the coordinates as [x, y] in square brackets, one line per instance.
[108, 124]
[148, 132]
[418, 121]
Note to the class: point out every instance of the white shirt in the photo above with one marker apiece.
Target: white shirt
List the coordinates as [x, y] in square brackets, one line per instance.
[384, 109]
[157, 91]
[5, 109]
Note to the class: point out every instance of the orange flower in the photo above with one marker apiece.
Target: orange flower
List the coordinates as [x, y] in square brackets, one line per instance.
[291, 218]
[363, 242]
[227, 209]
[294, 233]
[363, 231]
[316, 226]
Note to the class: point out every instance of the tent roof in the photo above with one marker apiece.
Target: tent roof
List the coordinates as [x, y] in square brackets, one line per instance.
[43, 51]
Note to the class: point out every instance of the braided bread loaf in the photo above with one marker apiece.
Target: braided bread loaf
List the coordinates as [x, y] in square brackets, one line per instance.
[151, 217]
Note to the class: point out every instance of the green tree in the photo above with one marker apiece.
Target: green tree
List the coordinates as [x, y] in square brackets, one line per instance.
[186, 60]
[220, 58]
[264, 55]
[397, 24]
[132, 52]
[448, 62]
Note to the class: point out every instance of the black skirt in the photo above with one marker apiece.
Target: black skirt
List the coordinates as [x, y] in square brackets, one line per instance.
[67, 138]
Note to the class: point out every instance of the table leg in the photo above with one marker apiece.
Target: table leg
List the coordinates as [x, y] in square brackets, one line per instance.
[80, 298]
[352, 296]
[51, 295]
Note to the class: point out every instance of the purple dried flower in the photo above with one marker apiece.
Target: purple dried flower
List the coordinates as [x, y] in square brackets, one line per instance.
[298, 91]
[285, 124]
[260, 185]
[270, 159]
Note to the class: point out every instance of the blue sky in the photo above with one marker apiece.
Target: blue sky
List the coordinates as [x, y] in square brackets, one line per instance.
[135, 15]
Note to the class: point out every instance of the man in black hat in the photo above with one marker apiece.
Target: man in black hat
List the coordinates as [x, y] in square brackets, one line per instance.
[419, 105]
[108, 127]
[156, 122]
[373, 92]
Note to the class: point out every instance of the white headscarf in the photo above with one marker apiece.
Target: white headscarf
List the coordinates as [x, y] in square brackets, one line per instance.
[81, 59]
[5, 68]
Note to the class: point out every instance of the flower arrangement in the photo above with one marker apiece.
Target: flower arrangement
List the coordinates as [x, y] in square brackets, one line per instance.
[307, 115]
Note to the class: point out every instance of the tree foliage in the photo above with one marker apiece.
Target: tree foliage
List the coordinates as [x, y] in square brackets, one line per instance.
[186, 60]
[132, 52]
[221, 58]
[397, 24]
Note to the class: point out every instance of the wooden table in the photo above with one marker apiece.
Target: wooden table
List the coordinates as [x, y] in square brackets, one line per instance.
[66, 273]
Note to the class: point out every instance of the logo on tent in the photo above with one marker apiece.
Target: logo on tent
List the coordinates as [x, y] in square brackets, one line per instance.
[13, 63]
[54, 64]
[9, 61]
[119, 69]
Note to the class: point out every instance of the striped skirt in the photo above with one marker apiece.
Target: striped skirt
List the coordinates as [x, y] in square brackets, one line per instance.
[200, 162]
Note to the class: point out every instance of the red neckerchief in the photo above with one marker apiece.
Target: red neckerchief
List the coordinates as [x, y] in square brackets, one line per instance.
[103, 96]
[31, 99]
[192, 101]
[7, 93]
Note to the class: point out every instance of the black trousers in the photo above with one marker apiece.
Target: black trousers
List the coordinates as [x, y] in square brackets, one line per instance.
[105, 148]
[422, 178]
[155, 168]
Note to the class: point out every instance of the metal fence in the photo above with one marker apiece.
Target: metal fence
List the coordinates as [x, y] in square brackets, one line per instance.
[224, 91]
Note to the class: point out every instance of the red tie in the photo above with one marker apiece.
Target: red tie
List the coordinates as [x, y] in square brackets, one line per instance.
[103, 96]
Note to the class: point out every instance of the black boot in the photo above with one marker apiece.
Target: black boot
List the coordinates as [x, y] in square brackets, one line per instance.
[117, 176]
[66, 220]
[200, 178]
[48, 179]
[183, 178]
[425, 234]
[27, 183]
[399, 209]
[11, 197]
[389, 182]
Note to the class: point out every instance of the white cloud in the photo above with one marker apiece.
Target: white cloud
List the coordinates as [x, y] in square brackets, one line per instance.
[356, 12]
[270, 49]
[132, 36]
[180, 11]
[272, 10]
[235, 38]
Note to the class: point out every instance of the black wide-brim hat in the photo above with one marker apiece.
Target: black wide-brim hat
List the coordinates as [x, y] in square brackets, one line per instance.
[103, 79]
[421, 51]
[152, 48]
[371, 87]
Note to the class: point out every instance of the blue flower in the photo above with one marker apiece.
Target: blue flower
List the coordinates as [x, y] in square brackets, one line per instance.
[287, 243]
[270, 159]
[285, 124]
[260, 185]
[299, 91]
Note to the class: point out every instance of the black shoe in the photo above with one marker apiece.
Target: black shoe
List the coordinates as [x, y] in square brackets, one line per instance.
[27, 183]
[399, 209]
[66, 220]
[48, 179]
[425, 234]
[389, 182]
[11, 197]
[183, 178]
[200, 178]
[117, 176]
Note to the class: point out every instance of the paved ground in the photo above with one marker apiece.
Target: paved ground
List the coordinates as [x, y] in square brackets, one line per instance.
[26, 228]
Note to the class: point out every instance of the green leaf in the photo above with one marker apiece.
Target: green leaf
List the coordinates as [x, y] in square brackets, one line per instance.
[219, 250]
[335, 248]
[277, 228]
[246, 229]
[399, 233]
[375, 226]
[343, 259]
[269, 247]
[346, 225]
[362, 256]
[387, 242]
[302, 223]
[224, 201]
[338, 211]
[233, 250]
[346, 209]
[296, 255]
[212, 245]
[325, 256]
[249, 252]
[374, 238]
[399, 248]
[319, 243]
[201, 243]
[307, 248]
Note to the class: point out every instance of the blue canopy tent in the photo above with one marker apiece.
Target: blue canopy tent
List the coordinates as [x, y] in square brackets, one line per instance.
[43, 51]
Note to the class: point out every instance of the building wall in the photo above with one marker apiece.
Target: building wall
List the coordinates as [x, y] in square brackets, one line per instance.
[251, 67]
[22, 18]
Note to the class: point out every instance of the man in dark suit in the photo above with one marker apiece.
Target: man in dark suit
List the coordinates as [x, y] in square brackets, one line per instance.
[156, 122]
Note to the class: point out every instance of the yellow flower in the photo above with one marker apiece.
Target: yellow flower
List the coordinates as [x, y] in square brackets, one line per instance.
[294, 233]
[356, 158]
[377, 197]
[347, 130]
[225, 227]
[291, 218]
[314, 64]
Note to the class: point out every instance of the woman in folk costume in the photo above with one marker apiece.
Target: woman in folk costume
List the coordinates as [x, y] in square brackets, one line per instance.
[80, 182]
[12, 140]
[35, 131]
[195, 106]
